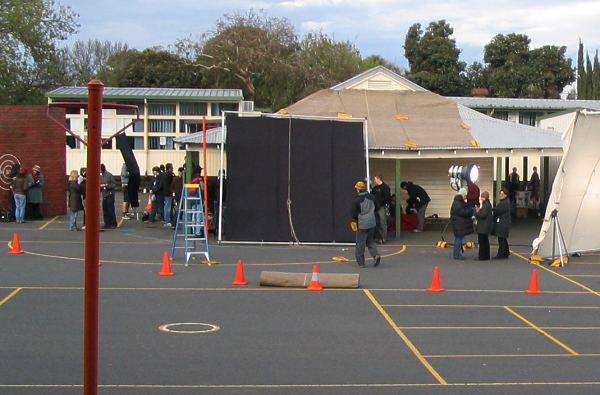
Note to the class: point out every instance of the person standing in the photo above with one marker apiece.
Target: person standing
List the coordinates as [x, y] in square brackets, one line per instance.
[75, 201]
[485, 224]
[107, 187]
[167, 181]
[364, 217]
[156, 188]
[462, 222]
[472, 194]
[19, 187]
[383, 196]
[124, 184]
[534, 181]
[418, 199]
[35, 183]
[502, 225]
[82, 186]
[513, 186]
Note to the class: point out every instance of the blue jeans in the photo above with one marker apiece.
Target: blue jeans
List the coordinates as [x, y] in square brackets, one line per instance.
[458, 241]
[20, 200]
[167, 209]
[72, 219]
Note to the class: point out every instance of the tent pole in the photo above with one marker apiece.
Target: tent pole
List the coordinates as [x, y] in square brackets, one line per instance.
[397, 191]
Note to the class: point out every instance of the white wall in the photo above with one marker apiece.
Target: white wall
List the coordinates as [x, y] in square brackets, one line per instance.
[432, 175]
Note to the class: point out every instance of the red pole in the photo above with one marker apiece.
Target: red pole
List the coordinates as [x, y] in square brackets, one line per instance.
[205, 177]
[92, 240]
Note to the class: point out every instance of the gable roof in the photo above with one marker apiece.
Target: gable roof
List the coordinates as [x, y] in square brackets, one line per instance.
[377, 75]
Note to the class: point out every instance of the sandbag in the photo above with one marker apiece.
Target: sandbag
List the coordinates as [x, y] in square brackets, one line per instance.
[301, 280]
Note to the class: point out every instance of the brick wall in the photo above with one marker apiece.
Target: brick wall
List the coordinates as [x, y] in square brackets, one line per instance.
[28, 136]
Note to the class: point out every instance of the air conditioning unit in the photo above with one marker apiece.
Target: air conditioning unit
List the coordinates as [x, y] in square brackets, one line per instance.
[247, 106]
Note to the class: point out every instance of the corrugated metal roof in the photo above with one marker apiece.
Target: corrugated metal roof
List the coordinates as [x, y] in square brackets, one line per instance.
[213, 136]
[79, 92]
[371, 72]
[526, 104]
[493, 133]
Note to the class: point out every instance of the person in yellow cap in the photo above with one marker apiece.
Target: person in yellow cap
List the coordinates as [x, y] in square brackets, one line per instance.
[364, 215]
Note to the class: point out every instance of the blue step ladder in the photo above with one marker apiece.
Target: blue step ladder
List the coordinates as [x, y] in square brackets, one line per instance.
[190, 230]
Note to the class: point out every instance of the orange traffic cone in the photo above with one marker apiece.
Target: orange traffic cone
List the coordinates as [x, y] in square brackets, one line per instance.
[436, 282]
[15, 245]
[534, 288]
[166, 265]
[315, 285]
[239, 279]
[149, 205]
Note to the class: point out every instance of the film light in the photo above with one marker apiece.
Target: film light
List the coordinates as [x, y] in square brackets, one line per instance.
[458, 173]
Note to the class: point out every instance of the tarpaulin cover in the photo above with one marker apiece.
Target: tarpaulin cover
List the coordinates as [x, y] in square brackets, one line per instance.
[315, 170]
[576, 191]
[132, 167]
[394, 117]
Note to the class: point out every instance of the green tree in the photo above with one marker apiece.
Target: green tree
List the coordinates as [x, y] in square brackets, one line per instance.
[507, 63]
[152, 67]
[247, 49]
[323, 62]
[477, 75]
[581, 74]
[596, 78]
[376, 60]
[29, 33]
[434, 59]
[88, 60]
[513, 70]
[551, 72]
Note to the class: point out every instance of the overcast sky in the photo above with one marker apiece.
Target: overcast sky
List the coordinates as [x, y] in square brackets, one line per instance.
[373, 26]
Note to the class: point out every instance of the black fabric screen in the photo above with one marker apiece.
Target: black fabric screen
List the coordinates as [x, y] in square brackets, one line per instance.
[133, 168]
[324, 159]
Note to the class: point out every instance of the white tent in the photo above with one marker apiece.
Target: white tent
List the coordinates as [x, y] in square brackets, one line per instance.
[576, 191]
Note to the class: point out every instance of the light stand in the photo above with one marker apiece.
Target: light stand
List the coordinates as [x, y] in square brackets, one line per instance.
[557, 232]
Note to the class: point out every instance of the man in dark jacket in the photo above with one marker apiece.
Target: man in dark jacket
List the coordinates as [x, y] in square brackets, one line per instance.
[157, 194]
[383, 197]
[462, 223]
[107, 187]
[502, 225]
[418, 199]
[167, 181]
[364, 209]
[485, 224]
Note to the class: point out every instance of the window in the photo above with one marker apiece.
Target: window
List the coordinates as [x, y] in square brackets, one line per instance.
[192, 108]
[528, 117]
[160, 143]
[217, 108]
[134, 142]
[187, 126]
[162, 125]
[138, 126]
[161, 108]
[503, 115]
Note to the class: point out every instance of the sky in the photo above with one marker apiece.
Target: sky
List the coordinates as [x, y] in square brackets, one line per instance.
[375, 27]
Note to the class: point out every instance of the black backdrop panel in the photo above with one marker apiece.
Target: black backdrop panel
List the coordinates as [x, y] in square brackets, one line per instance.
[324, 159]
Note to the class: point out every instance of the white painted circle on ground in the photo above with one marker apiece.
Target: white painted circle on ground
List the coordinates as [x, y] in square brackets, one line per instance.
[204, 328]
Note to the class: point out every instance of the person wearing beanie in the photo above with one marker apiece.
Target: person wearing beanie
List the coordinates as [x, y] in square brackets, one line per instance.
[35, 183]
[364, 217]
[418, 200]
[485, 224]
[462, 224]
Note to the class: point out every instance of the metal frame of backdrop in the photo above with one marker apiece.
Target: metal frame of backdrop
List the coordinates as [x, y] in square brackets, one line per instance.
[288, 203]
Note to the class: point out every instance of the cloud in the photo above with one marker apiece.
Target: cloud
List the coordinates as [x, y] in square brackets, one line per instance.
[315, 26]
